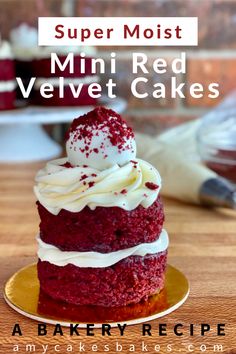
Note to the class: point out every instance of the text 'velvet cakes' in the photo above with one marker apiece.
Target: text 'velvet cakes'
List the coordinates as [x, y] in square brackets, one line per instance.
[101, 239]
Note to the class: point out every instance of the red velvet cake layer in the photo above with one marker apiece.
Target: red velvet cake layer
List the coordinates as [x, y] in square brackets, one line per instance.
[7, 100]
[42, 67]
[69, 100]
[7, 70]
[129, 281]
[103, 229]
[47, 306]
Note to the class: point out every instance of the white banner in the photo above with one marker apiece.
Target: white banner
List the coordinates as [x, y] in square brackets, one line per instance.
[117, 31]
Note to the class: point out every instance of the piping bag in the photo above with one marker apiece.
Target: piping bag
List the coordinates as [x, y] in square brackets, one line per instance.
[185, 178]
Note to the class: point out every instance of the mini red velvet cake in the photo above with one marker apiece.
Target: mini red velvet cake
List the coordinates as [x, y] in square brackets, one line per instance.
[7, 77]
[101, 239]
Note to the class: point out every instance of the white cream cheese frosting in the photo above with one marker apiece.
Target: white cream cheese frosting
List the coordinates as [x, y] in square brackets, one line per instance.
[101, 169]
[53, 255]
[58, 187]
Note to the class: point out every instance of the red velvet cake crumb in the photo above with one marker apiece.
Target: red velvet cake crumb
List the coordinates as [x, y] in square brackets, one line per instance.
[101, 119]
[83, 177]
[151, 186]
[131, 280]
[124, 191]
[103, 229]
[67, 165]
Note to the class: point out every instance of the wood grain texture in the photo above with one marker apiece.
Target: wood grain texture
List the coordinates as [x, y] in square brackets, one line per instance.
[202, 245]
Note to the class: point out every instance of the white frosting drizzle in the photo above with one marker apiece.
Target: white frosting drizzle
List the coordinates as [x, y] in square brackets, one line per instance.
[58, 187]
[53, 255]
[7, 86]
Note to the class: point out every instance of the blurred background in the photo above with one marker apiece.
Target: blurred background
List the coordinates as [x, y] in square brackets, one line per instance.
[214, 60]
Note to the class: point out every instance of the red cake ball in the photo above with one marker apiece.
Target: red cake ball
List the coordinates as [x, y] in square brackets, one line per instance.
[100, 139]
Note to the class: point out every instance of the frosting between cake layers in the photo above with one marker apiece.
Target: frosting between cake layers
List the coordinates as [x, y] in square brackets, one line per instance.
[128, 186]
[53, 255]
[7, 86]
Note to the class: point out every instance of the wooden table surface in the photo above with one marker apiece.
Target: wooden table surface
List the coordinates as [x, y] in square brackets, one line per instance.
[202, 245]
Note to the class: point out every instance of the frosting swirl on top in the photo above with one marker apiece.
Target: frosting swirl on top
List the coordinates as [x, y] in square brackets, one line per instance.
[53, 255]
[62, 186]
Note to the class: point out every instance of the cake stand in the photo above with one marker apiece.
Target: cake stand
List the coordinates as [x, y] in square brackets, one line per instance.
[23, 138]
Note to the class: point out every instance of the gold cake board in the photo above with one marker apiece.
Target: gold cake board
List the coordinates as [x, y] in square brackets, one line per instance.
[22, 293]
